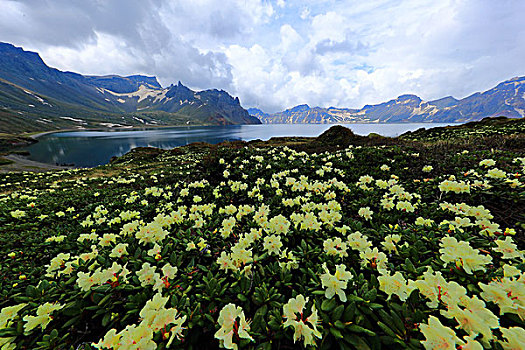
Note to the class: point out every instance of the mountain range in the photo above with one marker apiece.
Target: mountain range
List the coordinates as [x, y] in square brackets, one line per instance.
[35, 97]
[505, 99]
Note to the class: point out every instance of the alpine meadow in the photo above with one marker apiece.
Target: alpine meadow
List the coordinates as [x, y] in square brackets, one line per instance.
[262, 174]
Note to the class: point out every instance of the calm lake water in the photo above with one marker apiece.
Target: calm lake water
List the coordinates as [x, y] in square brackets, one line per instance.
[92, 148]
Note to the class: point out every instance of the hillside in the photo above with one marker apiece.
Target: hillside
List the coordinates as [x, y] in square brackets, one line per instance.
[506, 99]
[327, 242]
[36, 97]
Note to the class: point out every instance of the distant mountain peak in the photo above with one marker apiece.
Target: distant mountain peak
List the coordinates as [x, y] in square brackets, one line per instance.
[505, 99]
[409, 97]
[300, 108]
[119, 84]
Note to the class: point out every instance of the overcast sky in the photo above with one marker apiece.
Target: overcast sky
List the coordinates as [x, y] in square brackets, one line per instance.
[277, 54]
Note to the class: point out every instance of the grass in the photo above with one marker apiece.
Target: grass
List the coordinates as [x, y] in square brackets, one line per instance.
[4, 161]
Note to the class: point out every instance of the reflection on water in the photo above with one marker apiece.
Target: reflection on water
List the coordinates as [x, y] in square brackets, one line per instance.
[91, 148]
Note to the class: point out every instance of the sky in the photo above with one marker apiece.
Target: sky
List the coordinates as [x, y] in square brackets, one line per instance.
[277, 54]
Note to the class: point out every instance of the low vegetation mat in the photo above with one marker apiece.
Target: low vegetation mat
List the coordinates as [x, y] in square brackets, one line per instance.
[322, 243]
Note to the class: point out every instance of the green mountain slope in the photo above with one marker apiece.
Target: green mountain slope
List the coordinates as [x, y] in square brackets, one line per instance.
[35, 97]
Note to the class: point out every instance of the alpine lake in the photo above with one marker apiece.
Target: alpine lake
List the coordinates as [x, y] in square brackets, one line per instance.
[90, 148]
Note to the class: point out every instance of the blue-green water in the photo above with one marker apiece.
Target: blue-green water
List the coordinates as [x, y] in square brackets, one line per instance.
[92, 148]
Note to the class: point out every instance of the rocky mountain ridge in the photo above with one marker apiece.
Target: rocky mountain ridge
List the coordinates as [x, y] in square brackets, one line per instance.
[506, 99]
[34, 96]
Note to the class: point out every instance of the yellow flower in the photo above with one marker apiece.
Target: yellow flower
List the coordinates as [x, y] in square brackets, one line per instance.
[279, 225]
[374, 258]
[515, 338]
[155, 250]
[474, 318]
[225, 262]
[147, 275]
[463, 255]
[336, 283]
[335, 247]
[507, 248]
[358, 241]
[424, 222]
[496, 173]
[240, 255]
[438, 336]
[510, 271]
[169, 271]
[137, 337]
[85, 281]
[487, 163]
[202, 244]
[8, 313]
[293, 312]
[229, 325]
[107, 239]
[42, 318]
[119, 250]
[272, 244]
[470, 343]
[390, 242]
[509, 232]
[395, 284]
[365, 213]
[437, 289]
[508, 294]
[111, 340]
[17, 214]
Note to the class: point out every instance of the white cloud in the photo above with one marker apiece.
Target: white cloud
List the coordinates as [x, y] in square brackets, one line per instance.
[88, 57]
[274, 54]
[329, 26]
[305, 13]
[289, 37]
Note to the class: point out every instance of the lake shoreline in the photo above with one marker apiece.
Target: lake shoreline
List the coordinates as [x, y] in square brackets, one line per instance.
[153, 127]
[92, 147]
[23, 163]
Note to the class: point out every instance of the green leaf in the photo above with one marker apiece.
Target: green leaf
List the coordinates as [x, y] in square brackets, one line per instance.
[337, 313]
[336, 333]
[386, 329]
[71, 322]
[328, 305]
[358, 329]
[32, 292]
[410, 266]
[264, 346]
[338, 324]
[106, 319]
[7, 332]
[54, 334]
[349, 312]
[371, 295]
[356, 341]
[103, 300]
[353, 297]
